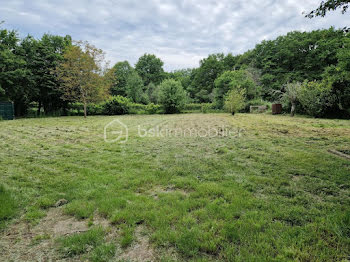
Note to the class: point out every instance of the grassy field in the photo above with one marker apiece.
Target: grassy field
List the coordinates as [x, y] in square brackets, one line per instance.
[272, 193]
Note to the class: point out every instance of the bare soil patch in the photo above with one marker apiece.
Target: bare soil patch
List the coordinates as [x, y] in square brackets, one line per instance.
[23, 242]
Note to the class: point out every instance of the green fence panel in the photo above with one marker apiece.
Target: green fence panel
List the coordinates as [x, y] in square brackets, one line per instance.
[7, 111]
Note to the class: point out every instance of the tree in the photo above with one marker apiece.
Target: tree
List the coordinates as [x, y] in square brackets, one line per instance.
[290, 94]
[182, 75]
[14, 75]
[233, 80]
[296, 57]
[234, 100]
[150, 69]
[315, 97]
[81, 74]
[329, 5]
[172, 96]
[121, 71]
[42, 57]
[153, 92]
[338, 77]
[203, 83]
[135, 88]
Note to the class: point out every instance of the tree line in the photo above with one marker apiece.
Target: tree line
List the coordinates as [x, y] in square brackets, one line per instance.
[54, 72]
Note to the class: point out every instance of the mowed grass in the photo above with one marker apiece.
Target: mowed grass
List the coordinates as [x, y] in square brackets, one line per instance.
[274, 193]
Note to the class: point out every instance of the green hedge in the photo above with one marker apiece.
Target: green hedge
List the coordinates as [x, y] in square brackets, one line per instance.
[201, 107]
[116, 105]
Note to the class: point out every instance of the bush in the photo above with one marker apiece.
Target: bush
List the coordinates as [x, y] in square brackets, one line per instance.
[117, 105]
[316, 98]
[199, 107]
[193, 107]
[206, 107]
[153, 109]
[135, 108]
[172, 96]
[234, 100]
[94, 109]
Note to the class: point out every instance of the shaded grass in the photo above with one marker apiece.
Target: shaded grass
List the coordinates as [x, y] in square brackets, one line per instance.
[274, 194]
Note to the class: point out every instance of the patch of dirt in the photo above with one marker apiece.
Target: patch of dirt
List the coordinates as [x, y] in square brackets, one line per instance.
[140, 250]
[23, 242]
[169, 189]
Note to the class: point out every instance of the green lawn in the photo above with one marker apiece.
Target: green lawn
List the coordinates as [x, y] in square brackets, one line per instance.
[274, 193]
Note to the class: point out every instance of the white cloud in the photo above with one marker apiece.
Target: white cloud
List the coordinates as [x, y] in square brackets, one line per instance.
[179, 32]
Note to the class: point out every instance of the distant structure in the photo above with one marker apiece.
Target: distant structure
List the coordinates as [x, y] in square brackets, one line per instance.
[7, 111]
[276, 109]
[257, 109]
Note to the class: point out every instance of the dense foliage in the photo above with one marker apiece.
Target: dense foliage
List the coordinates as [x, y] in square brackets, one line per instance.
[29, 76]
[172, 96]
[234, 100]
[81, 74]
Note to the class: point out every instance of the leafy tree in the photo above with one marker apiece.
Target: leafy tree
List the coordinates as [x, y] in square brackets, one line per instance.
[234, 100]
[290, 94]
[150, 69]
[203, 83]
[315, 97]
[81, 74]
[329, 5]
[42, 57]
[172, 96]
[153, 92]
[135, 88]
[121, 71]
[295, 57]
[230, 62]
[234, 80]
[338, 76]
[14, 75]
[183, 76]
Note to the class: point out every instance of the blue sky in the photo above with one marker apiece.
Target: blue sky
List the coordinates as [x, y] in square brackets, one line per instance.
[180, 32]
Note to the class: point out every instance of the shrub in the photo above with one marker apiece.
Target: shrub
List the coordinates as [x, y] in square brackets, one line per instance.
[205, 107]
[234, 100]
[117, 105]
[95, 109]
[152, 108]
[315, 97]
[199, 107]
[135, 108]
[172, 96]
[193, 107]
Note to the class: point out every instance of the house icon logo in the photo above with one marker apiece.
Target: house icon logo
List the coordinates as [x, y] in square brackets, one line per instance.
[116, 131]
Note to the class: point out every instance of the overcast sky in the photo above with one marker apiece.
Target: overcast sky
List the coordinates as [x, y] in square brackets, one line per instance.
[180, 32]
